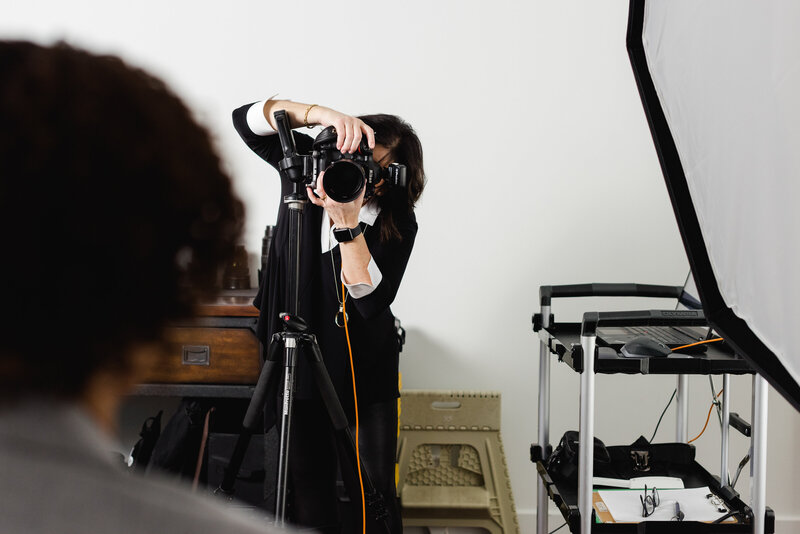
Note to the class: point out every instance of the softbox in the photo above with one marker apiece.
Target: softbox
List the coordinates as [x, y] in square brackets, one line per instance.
[719, 81]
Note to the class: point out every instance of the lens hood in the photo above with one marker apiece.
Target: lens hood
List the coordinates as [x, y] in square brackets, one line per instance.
[344, 180]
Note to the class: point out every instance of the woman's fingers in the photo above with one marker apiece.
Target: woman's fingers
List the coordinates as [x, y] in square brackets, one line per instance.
[353, 137]
[341, 133]
[349, 132]
[362, 129]
[317, 196]
[317, 201]
[342, 139]
[370, 135]
[321, 185]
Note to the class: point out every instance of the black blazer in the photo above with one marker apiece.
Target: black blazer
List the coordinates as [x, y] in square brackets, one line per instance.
[371, 322]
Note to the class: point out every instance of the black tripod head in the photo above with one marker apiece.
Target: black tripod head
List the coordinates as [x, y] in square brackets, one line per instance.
[294, 166]
[293, 323]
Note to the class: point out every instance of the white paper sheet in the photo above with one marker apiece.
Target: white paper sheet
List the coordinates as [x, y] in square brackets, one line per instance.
[626, 507]
[639, 482]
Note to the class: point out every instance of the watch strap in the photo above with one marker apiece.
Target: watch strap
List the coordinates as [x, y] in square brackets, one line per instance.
[343, 235]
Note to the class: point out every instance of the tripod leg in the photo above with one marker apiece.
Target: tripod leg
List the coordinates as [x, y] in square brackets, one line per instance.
[266, 381]
[289, 363]
[374, 501]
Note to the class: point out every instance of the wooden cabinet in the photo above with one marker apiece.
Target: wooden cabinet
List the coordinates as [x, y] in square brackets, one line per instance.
[219, 346]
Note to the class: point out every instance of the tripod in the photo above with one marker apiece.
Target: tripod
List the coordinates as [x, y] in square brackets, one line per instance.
[295, 335]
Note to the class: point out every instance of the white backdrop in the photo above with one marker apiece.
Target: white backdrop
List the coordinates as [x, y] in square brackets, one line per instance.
[540, 164]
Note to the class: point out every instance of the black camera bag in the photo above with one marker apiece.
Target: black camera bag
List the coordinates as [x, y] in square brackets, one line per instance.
[563, 462]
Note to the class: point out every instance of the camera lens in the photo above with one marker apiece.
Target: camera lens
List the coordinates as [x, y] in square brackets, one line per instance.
[344, 181]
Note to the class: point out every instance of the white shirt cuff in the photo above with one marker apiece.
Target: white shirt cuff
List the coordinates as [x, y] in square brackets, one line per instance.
[362, 290]
[257, 121]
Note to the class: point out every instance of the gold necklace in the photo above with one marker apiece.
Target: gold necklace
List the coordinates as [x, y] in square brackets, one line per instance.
[341, 317]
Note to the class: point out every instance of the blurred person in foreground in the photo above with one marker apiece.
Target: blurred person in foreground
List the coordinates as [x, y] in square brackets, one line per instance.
[115, 213]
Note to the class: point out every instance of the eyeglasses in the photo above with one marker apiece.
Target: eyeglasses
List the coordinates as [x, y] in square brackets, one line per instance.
[650, 501]
[679, 515]
[718, 502]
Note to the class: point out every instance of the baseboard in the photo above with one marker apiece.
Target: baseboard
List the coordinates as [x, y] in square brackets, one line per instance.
[527, 522]
[527, 525]
[787, 525]
[526, 518]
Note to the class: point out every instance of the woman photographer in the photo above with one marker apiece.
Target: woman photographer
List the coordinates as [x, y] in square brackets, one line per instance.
[360, 272]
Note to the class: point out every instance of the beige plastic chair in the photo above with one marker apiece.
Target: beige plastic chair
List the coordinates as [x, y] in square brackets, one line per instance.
[452, 469]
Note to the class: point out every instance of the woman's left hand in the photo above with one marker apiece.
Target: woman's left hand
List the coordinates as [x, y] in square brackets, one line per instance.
[343, 215]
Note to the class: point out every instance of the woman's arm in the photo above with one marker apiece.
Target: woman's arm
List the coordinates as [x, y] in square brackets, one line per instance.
[355, 253]
[349, 129]
[391, 258]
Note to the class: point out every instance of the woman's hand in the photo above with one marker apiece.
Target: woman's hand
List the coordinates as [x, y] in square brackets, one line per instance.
[355, 253]
[349, 129]
[343, 215]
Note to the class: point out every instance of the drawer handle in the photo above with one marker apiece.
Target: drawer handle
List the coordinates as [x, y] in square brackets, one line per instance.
[196, 355]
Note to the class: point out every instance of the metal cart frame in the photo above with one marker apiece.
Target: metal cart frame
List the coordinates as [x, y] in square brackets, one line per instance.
[586, 366]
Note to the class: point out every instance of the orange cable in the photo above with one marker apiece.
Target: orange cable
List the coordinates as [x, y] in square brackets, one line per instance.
[355, 401]
[708, 418]
[698, 343]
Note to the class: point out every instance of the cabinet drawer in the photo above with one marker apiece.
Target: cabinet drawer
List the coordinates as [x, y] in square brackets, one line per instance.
[208, 355]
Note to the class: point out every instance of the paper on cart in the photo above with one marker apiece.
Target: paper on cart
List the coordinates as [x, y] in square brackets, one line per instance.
[639, 482]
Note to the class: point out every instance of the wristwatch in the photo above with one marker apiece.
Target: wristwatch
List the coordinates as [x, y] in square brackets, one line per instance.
[343, 235]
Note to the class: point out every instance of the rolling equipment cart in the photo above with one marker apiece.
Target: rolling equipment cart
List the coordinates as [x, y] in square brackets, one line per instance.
[576, 345]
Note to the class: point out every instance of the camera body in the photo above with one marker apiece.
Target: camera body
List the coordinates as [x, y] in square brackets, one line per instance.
[347, 174]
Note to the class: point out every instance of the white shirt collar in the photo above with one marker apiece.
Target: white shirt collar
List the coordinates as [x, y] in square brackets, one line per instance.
[369, 213]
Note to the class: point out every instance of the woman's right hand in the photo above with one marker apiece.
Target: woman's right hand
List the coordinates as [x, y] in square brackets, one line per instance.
[349, 129]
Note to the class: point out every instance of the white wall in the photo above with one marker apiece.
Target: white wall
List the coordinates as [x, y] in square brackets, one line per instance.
[540, 164]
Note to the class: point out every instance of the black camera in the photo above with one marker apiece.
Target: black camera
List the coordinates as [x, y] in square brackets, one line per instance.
[347, 174]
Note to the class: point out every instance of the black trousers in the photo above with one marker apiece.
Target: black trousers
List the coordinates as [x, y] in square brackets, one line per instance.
[314, 460]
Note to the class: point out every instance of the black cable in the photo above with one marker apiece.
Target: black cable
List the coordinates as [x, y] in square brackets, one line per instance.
[716, 402]
[559, 528]
[724, 517]
[662, 415]
[739, 470]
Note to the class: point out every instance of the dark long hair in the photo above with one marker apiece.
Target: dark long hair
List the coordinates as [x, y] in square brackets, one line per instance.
[404, 147]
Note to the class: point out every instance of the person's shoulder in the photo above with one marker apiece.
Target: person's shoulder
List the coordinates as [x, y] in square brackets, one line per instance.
[59, 476]
[406, 222]
[170, 507]
[110, 499]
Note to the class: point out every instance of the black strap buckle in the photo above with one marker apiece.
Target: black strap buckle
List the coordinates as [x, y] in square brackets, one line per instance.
[641, 460]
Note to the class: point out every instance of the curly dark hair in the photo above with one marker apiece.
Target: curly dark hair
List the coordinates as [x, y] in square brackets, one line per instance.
[114, 212]
[404, 147]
